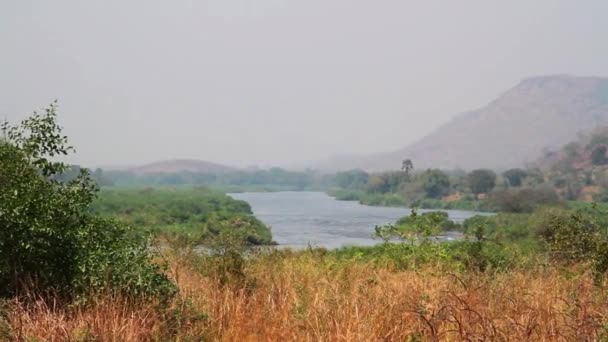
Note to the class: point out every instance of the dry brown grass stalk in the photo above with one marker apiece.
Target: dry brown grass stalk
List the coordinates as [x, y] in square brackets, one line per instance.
[307, 298]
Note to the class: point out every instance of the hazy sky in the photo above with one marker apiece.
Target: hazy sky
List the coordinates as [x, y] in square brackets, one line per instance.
[276, 81]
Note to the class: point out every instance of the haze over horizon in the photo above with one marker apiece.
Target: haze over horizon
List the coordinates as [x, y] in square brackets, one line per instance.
[270, 82]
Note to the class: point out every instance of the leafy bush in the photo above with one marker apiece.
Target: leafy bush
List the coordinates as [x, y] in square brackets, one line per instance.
[415, 227]
[522, 200]
[578, 236]
[438, 218]
[505, 227]
[488, 222]
[373, 199]
[48, 240]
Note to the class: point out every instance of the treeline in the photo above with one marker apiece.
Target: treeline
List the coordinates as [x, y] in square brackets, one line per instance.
[576, 172]
[516, 190]
[274, 177]
[72, 172]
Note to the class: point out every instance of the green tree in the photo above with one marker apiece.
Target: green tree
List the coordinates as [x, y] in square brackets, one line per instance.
[377, 184]
[482, 181]
[436, 184]
[354, 179]
[48, 239]
[515, 177]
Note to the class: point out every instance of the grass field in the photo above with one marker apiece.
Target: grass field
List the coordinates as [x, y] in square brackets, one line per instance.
[316, 296]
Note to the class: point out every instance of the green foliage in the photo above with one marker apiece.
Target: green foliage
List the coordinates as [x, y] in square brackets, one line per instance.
[482, 181]
[505, 228]
[73, 171]
[48, 240]
[273, 178]
[373, 199]
[488, 222]
[523, 200]
[579, 236]
[440, 219]
[515, 177]
[226, 260]
[416, 227]
[477, 254]
[354, 179]
[436, 184]
[197, 213]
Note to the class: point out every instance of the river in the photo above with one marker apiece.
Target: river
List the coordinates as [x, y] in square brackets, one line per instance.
[300, 219]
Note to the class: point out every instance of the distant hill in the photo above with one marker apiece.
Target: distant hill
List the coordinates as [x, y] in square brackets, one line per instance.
[182, 165]
[539, 114]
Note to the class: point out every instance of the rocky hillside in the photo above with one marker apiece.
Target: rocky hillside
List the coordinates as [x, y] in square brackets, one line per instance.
[539, 114]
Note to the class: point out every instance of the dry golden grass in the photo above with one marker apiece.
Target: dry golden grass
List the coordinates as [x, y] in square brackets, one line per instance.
[305, 297]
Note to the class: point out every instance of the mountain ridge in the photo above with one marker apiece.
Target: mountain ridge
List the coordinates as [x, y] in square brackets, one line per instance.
[539, 113]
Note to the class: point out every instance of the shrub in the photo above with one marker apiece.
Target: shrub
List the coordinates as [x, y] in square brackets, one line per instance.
[581, 236]
[440, 219]
[522, 200]
[48, 240]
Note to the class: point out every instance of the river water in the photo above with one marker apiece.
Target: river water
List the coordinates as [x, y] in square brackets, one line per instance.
[301, 219]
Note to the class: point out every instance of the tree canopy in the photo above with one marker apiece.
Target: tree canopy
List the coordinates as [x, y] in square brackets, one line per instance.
[515, 176]
[48, 239]
[482, 181]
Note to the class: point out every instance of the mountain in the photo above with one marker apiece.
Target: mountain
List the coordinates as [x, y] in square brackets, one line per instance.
[539, 114]
[182, 165]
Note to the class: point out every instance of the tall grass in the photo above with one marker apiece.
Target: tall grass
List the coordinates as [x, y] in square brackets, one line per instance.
[310, 295]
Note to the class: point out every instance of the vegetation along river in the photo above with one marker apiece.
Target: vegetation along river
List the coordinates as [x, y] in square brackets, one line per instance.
[300, 219]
